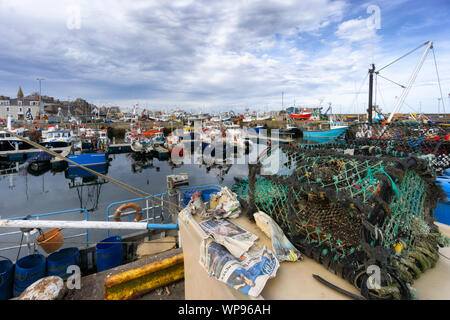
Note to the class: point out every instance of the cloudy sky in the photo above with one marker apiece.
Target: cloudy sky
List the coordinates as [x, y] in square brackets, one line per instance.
[224, 55]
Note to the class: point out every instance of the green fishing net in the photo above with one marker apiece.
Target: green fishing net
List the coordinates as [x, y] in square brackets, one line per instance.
[349, 212]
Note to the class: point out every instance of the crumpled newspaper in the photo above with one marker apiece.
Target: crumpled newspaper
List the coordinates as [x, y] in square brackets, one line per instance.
[283, 249]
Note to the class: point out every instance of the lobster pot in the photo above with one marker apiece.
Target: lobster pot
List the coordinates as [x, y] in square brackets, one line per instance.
[28, 270]
[402, 139]
[6, 279]
[58, 262]
[109, 253]
[347, 211]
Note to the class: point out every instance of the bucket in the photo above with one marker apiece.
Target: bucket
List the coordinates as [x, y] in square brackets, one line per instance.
[6, 278]
[28, 270]
[51, 240]
[59, 261]
[109, 253]
[206, 194]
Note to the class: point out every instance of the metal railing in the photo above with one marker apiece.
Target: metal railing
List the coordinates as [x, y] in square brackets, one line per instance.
[38, 216]
[156, 215]
[153, 211]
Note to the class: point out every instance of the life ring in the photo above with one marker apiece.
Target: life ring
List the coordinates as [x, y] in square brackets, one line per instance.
[128, 205]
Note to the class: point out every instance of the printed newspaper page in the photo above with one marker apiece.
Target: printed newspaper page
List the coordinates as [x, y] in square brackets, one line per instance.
[236, 239]
[247, 274]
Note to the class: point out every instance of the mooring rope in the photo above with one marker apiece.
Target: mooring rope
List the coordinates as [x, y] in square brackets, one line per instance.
[120, 184]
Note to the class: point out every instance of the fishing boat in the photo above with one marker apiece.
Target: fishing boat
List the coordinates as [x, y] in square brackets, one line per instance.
[257, 128]
[135, 132]
[237, 137]
[58, 138]
[151, 133]
[162, 152]
[8, 142]
[103, 136]
[328, 130]
[290, 130]
[248, 119]
[262, 117]
[189, 132]
[94, 161]
[142, 146]
[303, 115]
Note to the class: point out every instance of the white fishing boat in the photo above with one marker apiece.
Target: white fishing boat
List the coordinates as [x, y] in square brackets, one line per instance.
[9, 143]
[237, 137]
[262, 117]
[142, 146]
[247, 119]
[59, 136]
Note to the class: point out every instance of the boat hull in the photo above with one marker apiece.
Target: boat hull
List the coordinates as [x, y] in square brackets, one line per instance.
[300, 116]
[332, 133]
[94, 161]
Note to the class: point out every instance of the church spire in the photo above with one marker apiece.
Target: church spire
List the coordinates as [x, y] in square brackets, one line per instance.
[20, 93]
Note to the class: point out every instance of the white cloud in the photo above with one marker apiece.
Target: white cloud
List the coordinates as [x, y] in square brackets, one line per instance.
[189, 53]
[356, 30]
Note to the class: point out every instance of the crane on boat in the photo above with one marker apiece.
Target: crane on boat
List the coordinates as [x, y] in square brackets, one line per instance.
[406, 88]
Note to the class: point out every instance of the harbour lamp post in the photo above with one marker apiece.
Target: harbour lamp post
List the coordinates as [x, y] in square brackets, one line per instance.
[41, 108]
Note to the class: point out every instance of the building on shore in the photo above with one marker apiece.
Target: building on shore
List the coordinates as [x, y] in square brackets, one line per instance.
[19, 109]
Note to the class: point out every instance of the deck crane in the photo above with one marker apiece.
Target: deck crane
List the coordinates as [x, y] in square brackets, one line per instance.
[428, 45]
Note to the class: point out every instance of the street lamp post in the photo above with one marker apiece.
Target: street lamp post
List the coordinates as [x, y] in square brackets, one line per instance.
[41, 109]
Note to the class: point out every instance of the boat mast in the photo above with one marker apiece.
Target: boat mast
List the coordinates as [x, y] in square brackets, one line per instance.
[369, 110]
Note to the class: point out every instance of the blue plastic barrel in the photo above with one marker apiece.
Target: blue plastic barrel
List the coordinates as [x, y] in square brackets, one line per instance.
[59, 261]
[444, 182]
[187, 196]
[447, 172]
[28, 270]
[207, 193]
[442, 213]
[109, 253]
[6, 278]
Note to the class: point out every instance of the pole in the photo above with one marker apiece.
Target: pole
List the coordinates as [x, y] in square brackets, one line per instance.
[41, 109]
[369, 110]
[43, 224]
